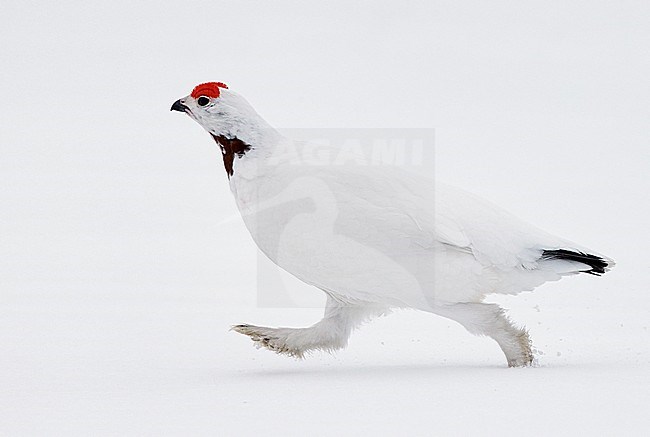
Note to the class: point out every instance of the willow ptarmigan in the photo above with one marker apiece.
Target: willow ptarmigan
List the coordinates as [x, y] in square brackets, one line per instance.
[376, 237]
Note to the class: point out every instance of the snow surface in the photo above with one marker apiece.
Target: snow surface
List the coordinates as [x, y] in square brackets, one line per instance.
[120, 271]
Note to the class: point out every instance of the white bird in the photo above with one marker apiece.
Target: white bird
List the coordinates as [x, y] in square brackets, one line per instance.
[376, 238]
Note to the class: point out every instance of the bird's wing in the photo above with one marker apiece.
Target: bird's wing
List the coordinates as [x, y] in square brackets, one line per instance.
[404, 205]
[427, 212]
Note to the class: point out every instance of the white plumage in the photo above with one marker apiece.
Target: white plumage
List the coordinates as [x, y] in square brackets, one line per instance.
[376, 238]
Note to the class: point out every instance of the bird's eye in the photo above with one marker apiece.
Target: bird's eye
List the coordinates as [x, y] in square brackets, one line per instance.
[202, 101]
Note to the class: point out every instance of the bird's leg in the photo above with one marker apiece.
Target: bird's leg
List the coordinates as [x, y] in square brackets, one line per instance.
[490, 320]
[329, 334]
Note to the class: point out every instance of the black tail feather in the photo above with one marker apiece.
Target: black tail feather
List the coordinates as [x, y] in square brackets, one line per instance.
[598, 265]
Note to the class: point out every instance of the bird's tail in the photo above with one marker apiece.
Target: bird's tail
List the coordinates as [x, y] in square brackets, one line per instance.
[594, 264]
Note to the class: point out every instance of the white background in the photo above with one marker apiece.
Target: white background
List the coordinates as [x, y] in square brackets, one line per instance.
[120, 271]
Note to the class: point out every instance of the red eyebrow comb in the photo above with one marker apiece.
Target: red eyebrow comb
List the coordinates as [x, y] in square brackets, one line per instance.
[208, 89]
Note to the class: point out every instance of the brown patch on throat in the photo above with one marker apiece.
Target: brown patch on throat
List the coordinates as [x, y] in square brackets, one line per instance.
[229, 148]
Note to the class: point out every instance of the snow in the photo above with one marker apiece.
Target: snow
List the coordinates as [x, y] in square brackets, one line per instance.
[133, 366]
[120, 271]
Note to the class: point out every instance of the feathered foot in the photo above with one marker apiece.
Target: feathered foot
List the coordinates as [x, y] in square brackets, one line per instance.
[273, 339]
[329, 334]
[490, 320]
[523, 356]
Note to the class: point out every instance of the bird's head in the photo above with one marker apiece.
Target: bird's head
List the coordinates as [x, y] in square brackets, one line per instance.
[229, 118]
[221, 112]
[205, 102]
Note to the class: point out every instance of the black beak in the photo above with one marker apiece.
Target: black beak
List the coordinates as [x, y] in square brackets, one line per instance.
[178, 106]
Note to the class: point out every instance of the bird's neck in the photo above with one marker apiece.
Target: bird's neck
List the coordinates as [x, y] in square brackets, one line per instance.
[244, 151]
[243, 136]
[231, 148]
